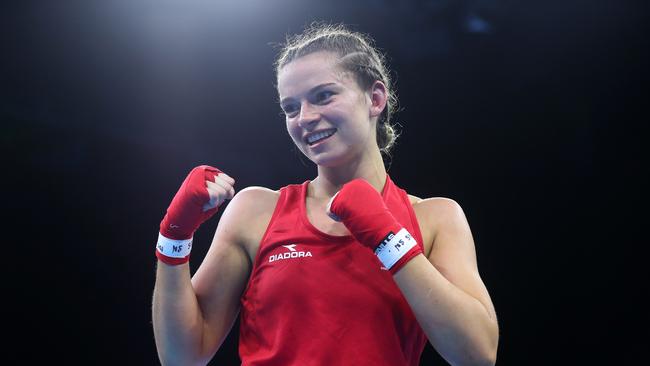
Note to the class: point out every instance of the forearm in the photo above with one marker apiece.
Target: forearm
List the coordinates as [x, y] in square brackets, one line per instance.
[459, 326]
[177, 320]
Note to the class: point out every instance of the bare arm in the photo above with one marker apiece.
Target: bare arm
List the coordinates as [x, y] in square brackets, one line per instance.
[192, 316]
[183, 334]
[446, 292]
[177, 319]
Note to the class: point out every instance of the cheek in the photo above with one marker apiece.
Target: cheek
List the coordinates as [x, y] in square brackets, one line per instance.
[294, 132]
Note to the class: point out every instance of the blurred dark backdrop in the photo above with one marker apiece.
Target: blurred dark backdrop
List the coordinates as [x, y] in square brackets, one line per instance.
[529, 114]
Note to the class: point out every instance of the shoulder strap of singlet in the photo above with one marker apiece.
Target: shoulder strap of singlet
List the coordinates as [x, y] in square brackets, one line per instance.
[407, 202]
[287, 197]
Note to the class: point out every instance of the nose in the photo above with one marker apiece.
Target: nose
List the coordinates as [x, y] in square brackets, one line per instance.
[309, 115]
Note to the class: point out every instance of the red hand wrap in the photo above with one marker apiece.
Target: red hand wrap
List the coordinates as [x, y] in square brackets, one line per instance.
[363, 212]
[185, 213]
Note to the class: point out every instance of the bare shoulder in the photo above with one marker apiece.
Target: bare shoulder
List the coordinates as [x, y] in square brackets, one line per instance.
[414, 199]
[440, 213]
[251, 202]
[254, 200]
[436, 214]
[433, 201]
[238, 233]
[248, 215]
[438, 207]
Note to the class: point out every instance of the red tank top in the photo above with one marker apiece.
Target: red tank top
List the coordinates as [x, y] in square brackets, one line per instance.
[318, 299]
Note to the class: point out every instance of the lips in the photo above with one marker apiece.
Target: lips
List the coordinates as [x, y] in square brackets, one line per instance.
[315, 137]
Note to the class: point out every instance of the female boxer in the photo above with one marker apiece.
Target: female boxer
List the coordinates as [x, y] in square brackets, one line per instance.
[344, 269]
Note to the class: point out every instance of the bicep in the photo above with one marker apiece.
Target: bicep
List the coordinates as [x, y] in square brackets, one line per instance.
[221, 279]
[453, 252]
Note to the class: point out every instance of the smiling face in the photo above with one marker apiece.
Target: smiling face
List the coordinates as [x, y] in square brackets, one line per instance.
[328, 116]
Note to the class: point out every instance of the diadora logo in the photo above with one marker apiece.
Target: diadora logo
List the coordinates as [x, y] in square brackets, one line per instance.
[291, 254]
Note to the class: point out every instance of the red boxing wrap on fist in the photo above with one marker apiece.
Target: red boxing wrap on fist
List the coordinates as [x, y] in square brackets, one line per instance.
[185, 213]
[363, 212]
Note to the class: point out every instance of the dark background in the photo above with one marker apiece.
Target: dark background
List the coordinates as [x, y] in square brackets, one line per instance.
[529, 114]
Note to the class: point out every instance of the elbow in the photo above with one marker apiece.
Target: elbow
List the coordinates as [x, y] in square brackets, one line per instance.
[178, 357]
[479, 360]
[485, 355]
[489, 359]
[173, 361]
[488, 356]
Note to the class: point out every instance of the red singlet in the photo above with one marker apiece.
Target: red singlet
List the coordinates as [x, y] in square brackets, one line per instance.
[318, 299]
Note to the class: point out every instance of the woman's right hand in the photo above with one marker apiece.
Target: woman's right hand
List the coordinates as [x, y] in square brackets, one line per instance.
[220, 190]
[204, 189]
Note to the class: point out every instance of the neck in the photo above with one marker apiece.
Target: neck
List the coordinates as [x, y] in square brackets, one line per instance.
[331, 179]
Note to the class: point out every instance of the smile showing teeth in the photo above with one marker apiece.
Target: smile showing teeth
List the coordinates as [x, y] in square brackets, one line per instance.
[319, 136]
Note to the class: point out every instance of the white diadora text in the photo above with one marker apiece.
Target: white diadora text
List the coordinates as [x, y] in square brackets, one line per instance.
[288, 255]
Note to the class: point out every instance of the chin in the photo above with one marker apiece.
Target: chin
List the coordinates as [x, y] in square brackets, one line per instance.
[328, 159]
[328, 163]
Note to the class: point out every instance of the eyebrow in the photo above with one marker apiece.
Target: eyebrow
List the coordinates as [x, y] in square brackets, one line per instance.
[312, 90]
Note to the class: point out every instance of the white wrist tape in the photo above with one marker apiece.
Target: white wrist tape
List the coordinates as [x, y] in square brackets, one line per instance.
[394, 246]
[174, 248]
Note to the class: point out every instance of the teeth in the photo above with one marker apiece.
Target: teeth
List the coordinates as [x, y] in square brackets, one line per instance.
[319, 136]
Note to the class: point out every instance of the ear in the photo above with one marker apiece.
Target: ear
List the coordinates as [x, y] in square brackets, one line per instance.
[378, 98]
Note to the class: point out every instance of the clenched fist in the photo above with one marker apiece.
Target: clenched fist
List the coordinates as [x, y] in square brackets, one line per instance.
[198, 198]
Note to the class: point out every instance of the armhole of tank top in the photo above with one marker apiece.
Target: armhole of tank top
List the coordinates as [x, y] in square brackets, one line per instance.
[276, 212]
[259, 248]
[414, 218]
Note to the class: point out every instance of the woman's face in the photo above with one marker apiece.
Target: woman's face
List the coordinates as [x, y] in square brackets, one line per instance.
[327, 114]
